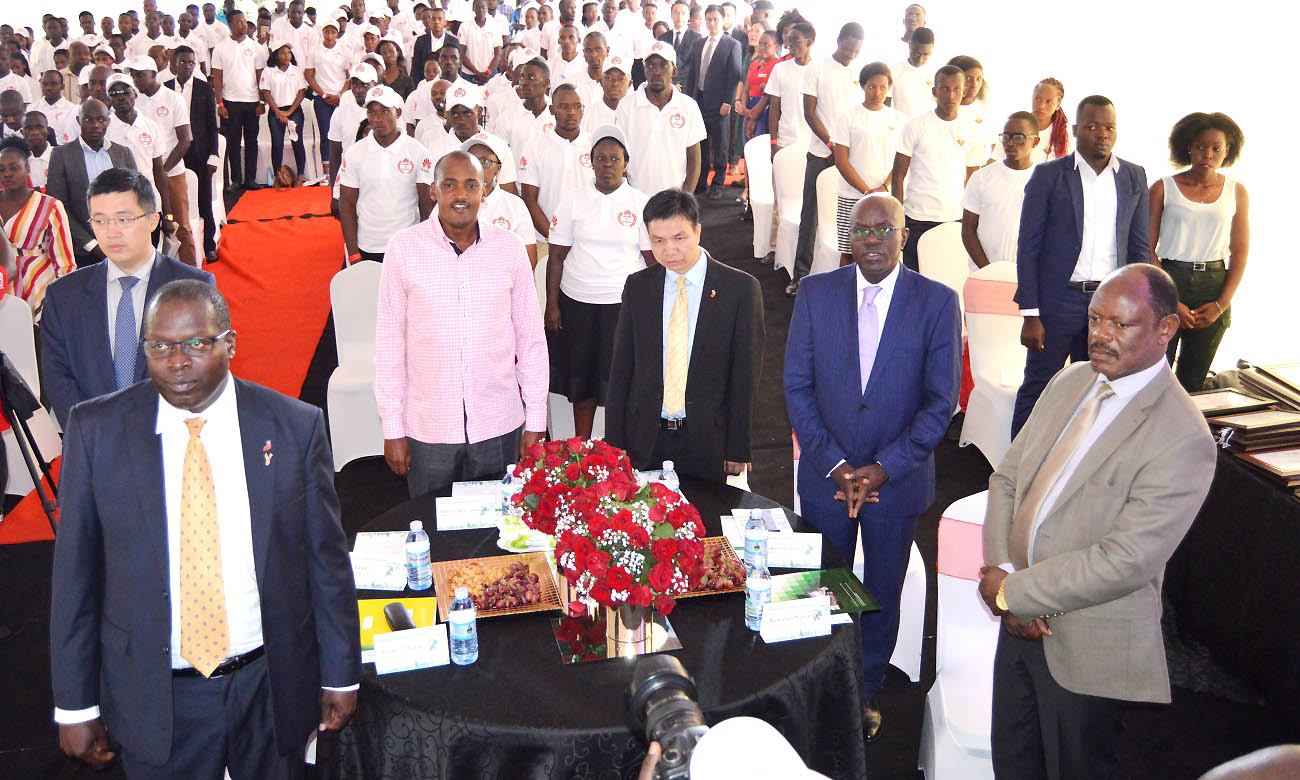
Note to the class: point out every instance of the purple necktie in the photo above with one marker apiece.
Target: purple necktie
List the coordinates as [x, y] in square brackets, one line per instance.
[868, 333]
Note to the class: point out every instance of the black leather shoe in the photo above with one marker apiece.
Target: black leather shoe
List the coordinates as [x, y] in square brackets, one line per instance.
[871, 721]
[792, 289]
[715, 193]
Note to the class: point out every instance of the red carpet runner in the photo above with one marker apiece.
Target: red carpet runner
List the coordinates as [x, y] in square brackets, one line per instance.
[275, 267]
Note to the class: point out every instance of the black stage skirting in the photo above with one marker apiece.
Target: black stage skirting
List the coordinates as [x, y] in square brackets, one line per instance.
[521, 713]
[1235, 582]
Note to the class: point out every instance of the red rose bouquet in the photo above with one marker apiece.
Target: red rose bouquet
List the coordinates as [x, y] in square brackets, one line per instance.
[616, 542]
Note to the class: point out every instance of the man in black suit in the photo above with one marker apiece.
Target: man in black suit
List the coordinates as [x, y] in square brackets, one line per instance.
[203, 610]
[683, 39]
[715, 71]
[431, 41]
[90, 329]
[688, 349]
[69, 177]
[202, 156]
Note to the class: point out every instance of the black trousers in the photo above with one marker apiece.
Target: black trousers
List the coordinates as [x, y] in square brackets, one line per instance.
[1195, 348]
[435, 466]
[715, 152]
[242, 126]
[803, 253]
[218, 723]
[674, 445]
[915, 229]
[1040, 730]
[205, 204]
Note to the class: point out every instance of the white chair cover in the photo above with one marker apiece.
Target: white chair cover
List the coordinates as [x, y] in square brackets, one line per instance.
[942, 257]
[355, 430]
[17, 340]
[762, 194]
[787, 170]
[997, 360]
[826, 251]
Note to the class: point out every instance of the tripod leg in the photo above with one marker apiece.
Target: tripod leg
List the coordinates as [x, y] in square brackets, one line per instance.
[40, 459]
[46, 503]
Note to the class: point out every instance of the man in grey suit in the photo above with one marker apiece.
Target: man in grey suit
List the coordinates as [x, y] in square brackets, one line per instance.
[74, 166]
[1084, 511]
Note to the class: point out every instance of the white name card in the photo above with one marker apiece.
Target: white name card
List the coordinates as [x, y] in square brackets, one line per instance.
[414, 648]
[482, 487]
[797, 619]
[794, 550]
[458, 513]
[373, 573]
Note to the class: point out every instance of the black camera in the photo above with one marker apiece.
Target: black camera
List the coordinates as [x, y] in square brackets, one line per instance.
[661, 700]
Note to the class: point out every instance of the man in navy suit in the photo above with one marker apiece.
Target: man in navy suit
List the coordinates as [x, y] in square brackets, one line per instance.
[714, 70]
[85, 311]
[203, 612]
[1084, 216]
[683, 39]
[872, 372]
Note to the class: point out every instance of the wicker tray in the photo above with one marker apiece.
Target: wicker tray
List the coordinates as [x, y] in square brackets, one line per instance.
[712, 543]
[536, 561]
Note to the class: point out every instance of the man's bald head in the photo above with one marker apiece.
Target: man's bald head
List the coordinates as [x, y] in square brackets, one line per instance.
[878, 200]
[877, 232]
[1280, 762]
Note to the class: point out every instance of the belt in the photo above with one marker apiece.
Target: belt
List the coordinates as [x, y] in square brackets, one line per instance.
[672, 424]
[1089, 287]
[1197, 265]
[228, 666]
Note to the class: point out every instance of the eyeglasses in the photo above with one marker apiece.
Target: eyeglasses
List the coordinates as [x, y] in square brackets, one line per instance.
[485, 161]
[1016, 137]
[121, 223]
[196, 347]
[881, 233]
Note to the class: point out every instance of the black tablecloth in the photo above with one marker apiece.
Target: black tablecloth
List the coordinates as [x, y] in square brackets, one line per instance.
[1235, 582]
[521, 713]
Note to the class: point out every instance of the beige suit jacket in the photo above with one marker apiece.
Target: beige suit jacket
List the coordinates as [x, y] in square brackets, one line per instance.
[1100, 552]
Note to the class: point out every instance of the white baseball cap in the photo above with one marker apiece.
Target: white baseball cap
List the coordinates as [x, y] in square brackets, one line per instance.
[384, 96]
[608, 131]
[370, 29]
[364, 71]
[465, 95]
[330, 23]
[118, 78]
[714, 756]
[618, 61]
[520, 56]
[661, 49]
[495, 143]
[141, 62]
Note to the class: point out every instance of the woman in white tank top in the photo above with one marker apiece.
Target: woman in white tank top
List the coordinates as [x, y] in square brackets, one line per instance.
[1200, 234]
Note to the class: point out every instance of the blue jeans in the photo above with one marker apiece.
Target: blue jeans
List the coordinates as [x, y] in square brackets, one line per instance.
[324, 113]
[277, 143]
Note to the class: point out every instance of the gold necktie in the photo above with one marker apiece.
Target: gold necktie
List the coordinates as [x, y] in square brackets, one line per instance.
[205, 635]
[1022, 524]
[675, 358]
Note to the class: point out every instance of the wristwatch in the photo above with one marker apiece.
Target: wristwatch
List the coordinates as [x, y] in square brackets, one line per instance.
[1001, 599]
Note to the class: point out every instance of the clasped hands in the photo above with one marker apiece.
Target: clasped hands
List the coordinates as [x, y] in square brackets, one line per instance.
[858, 486]
[1202, 316]
[991, 578]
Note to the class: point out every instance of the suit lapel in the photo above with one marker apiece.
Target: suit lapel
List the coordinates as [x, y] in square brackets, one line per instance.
[1076, 195]
[254, 428]
[94, 321]
[897, 321]
[707, 320]
[138, 437]
[1036, 449]
[158, 276]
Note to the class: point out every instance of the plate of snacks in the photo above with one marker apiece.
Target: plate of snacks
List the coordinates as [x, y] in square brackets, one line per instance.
[499, 585]
[723, 570]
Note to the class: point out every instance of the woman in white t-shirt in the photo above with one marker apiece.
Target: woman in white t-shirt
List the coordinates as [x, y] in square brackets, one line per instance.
[1200, 235]
[864, 139]
[282, 87]
[598, 238]
[1053, 126]
[975, 100]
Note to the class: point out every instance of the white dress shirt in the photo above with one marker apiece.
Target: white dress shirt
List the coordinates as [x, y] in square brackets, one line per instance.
[1097, 251]
[114, 292]
[1125, 388]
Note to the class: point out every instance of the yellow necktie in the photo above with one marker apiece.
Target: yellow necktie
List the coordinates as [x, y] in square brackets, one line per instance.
[676, 357]
[1022, 523]
[205, 635]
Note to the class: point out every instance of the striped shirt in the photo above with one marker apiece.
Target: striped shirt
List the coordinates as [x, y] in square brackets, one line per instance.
[42, 238]
[460, 353]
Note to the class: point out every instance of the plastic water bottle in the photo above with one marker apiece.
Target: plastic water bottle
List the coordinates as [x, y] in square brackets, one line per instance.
[464, 631]
[419, 570]
[668, 476]
[755, 541]
[758, 592]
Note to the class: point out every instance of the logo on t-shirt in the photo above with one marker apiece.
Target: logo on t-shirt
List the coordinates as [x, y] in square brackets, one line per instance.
[162, 111]
[677, 121]
[627, 219]
[523, 162]
[584, 160]
[427, 164]
[247, 52]
[405, 166]
[460, 92]
[555, 221]
[961, 141]
[145, 139]
[502, 223]
[979, 120]
[548, 127]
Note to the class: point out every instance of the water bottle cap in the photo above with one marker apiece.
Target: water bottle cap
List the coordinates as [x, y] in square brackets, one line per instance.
[668, 465]
[462, 592]
[416, 525]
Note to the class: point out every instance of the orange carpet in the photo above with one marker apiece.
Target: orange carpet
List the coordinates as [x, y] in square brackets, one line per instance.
[28, 523]
[276, 259]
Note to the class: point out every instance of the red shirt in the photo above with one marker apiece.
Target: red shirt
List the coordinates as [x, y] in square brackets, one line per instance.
[757, 76]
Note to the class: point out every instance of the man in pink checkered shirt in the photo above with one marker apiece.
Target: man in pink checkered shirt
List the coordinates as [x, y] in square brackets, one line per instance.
[461, 369]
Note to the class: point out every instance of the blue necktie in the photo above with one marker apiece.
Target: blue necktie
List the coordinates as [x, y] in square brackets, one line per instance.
[125, 344]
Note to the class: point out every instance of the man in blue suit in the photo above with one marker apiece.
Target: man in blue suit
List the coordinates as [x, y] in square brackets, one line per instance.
[82, 355]
[1084, 216]
[714, 70]
[203, 612]
[872, 372]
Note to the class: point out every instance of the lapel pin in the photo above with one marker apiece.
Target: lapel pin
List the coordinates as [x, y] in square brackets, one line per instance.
[713, 293]
[266, 452]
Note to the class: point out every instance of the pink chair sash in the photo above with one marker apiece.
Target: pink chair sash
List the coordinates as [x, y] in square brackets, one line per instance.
[990, 296]
[961, 548]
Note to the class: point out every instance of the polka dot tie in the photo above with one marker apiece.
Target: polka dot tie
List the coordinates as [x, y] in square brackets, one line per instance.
[205, 635]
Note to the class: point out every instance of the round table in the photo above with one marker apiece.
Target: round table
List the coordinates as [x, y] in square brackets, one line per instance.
[519, 712]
